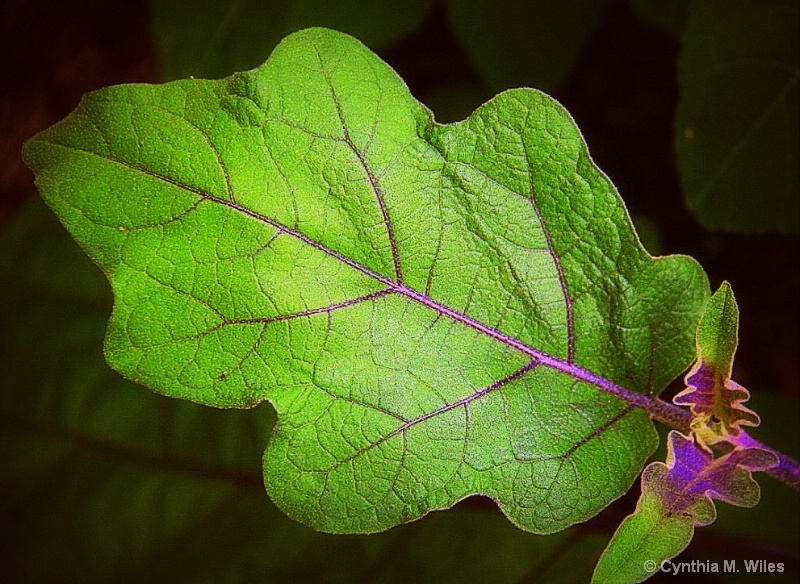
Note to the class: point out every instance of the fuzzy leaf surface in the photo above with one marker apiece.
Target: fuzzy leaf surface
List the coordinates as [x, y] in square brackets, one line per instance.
[715, 399]
[433, 310]
[103, 482]
[676, 497]
[645, 538]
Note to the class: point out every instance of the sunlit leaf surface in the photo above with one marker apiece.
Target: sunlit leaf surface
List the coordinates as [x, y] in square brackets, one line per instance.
[434, 310]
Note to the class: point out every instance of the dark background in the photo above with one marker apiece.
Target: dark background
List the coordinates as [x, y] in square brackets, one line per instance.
[622, 89]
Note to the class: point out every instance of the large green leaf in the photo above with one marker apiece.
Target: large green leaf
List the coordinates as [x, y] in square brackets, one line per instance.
[104, 482]
[738, 120]
[433, 310]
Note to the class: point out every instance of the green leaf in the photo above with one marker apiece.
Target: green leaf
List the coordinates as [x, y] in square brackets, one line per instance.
[514, 43]
[646, 538]
[104, 482]
[206, 38]
[433, 310]
[676, 497]
[738, 118]
[715, 399]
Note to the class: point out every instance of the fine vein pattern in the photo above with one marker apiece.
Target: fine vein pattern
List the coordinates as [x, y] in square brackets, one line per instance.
[434, 310]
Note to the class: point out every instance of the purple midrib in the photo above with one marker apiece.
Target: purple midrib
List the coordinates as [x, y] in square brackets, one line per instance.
[542, 358]
[566, 367]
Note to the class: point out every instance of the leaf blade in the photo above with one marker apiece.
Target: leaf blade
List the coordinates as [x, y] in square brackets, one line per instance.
[275, 249]
[714, 398]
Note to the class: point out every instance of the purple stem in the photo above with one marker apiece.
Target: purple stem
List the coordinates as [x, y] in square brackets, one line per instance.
[787, 471]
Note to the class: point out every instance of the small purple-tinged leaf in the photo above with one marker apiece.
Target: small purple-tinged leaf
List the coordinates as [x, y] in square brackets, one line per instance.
[714, 398]
[692, 474]
[642, 542]
[676, 497]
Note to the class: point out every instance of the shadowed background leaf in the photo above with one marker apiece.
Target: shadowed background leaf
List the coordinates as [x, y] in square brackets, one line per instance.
[737, 130]
[214, 39]
[514, 43]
